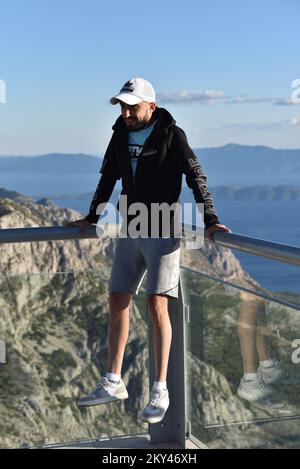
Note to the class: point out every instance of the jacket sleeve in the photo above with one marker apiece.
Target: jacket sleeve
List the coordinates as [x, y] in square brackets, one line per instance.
[195, 177]
[109, 175]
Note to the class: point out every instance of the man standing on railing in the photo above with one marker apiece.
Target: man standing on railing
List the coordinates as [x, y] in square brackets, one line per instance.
[149, 153]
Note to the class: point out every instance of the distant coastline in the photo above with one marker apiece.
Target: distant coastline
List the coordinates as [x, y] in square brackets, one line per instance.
[225, 193]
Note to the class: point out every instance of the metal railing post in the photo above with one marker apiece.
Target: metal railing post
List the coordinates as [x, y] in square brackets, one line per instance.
[172, 428]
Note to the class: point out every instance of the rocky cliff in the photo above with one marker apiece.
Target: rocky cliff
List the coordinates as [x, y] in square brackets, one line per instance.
[54, 317]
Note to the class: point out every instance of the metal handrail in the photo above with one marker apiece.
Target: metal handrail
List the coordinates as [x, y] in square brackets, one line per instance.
[48, 233]
[259, 247]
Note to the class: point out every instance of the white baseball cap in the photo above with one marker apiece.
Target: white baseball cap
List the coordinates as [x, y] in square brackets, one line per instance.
[135, 91]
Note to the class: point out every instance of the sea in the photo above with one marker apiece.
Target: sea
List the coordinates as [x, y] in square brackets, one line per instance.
[277, 221]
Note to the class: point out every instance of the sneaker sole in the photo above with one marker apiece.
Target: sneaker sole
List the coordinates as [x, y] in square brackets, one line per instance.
[104, 400]
[245, 397]
[279, 408]
[153, 419]
[265, 403]
[253, 399]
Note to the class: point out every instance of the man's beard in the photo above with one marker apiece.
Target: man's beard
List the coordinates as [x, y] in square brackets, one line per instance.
[138, 125]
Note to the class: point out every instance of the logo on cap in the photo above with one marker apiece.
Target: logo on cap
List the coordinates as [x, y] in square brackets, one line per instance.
[129, 86]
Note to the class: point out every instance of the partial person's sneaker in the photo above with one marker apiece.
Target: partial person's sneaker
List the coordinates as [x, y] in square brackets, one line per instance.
[275, 374]
[106, 391]
[257, 390]
[157, 406]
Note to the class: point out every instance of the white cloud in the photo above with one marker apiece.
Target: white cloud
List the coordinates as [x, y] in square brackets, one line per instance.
[201, 97]
[293, 122]
[209, 97]
[283, 102]
[243, 99]
[250, 126]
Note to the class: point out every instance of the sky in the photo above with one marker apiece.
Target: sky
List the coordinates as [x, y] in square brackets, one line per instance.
[224, 69]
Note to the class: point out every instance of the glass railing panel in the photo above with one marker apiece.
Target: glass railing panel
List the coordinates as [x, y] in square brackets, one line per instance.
[230, 332]
[269, 277]
[54, 328]
[275, 278]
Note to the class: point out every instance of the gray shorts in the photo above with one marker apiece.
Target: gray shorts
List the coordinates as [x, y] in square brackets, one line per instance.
[158, 257]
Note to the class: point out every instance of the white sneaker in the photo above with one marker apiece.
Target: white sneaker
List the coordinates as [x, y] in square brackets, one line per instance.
[157, 406]
[257, 390]
[275, 374]
[106, 391]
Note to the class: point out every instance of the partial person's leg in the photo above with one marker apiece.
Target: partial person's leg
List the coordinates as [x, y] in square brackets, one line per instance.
[162, 334]
[262, 334]
[252, 388]
[118, 330]
[247, 332]
[270, 368]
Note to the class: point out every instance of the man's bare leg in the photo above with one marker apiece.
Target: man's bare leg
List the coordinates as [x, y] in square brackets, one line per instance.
[262, 334]
[118, 330]
[247, 332]
[162, 333]
[252, 332]
[117, 339]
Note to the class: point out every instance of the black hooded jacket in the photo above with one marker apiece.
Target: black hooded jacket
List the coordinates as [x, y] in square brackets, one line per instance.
[166, 155]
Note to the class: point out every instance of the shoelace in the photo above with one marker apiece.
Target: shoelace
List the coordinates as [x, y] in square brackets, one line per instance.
[262, 385]
[282, 372]
[270, 392]
[103, 382]
[154, 398]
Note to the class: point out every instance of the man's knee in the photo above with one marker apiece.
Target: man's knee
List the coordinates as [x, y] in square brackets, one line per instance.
[157, 304]
[119, 301]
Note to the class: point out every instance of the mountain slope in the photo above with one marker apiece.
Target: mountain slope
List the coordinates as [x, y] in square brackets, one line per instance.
[54, 317]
